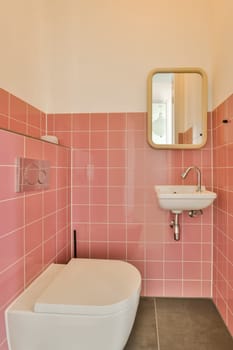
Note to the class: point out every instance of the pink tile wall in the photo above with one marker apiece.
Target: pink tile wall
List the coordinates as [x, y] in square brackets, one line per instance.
[35, 226]
[114, 207]
[19, 116]
[223, 211]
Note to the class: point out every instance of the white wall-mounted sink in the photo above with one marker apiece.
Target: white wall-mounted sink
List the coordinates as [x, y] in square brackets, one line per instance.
[178, 198]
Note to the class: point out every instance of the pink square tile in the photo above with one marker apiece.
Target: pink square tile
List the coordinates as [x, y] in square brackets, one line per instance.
[83, 249]
[61, 219]
[80, 195]
[175, 159]
[4, 122]
[173, 270]
[155, 288]
[98, 213]
[99, 121]
[62, 257]
[97, 176]
[117, 121]
[18, 126]
[207, 271]
[207, 233]
[33, 116]
[50, 226]
[98, 250]
[206, 252]
[135, 251]
[98, 195]
[4, 102]
[50, 250]
[18, 109]
[207, 289]
[173, 251]
[192, 289]
[117, 214]
[62, 177]
[117, 196]
[34, 148]
[192, 252]
[117, 176]
[154, 251]
[135, 232]
[16, 219]
[80, 140]
[98, 232]
[34, 132]
[63, 155]
[117, 232]
[98, 140]
[80, 122]
[11, 248]
[81, 213]
[49, 202]
[33, 208]
[80, 177]
[33, 236]
[82, 232]
[117, 139]
[13, 146]
[137, 196]
[98, 158]
[50, 153]
[192, 270]
[117, 158]
[33, 265]
[117, 250]
[62, 201]
[154, 270]
[172, 288]
[136, 121]
[62, 122]
[7, 183]
[11, 282]
[61, 239]
[153, 216]
[136, 140]
[50, 123]
[191, 233]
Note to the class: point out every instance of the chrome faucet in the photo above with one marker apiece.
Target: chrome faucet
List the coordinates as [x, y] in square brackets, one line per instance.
[198, 171]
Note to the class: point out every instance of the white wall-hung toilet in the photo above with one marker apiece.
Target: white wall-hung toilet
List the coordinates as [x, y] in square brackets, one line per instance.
[88, 304]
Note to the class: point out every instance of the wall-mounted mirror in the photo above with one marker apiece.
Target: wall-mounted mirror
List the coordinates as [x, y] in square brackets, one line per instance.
[177, 108]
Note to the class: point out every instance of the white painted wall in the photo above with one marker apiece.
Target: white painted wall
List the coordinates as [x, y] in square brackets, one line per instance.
[95, 55]
[23, 65]
[223, 50]
[103, 50]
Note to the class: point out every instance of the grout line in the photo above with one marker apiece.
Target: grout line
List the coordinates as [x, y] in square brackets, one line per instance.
[156, 324]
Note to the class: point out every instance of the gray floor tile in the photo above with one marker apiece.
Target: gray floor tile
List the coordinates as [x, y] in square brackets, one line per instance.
[143, 335]
[191, 324]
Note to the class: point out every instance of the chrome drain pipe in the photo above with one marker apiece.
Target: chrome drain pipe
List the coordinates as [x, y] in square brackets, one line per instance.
[175, 224]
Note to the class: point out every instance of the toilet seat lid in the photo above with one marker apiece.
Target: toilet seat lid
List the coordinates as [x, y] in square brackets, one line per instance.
[91, 287]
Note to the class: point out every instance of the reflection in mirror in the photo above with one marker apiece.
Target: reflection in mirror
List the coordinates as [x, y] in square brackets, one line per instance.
[177, 108]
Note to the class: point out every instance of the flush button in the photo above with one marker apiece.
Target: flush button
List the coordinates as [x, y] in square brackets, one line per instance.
[32, 174]
[42, 176]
